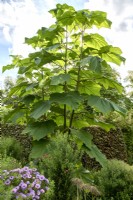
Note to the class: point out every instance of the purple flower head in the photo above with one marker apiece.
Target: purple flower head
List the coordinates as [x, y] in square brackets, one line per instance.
[24, 176]
[30, 171]
[29, 176]
[11, 177]
[37, 175]
[20, 171]
[32, 193]
[37, 186]
[23, 186]
[7, 182]
[17, 188]
[25, 169]
[14, 190]
[41, 178]
[42, 191]
[28, 182]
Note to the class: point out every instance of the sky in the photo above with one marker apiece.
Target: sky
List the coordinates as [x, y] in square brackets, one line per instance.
[22, 18]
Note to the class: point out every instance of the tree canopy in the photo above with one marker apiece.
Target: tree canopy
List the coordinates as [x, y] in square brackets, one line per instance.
[60, 85]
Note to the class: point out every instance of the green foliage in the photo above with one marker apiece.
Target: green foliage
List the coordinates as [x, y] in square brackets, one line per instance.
[59, 164]
[9, 146]
[104, 105]
[128, 137]
[66, 71]
[9, 163]
[3, 111]
[49, 195]
[5, 193]
[115, 180]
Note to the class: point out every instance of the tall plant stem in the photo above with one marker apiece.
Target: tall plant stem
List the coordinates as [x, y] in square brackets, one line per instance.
[65, 85]
[78, 80]
[42, 87]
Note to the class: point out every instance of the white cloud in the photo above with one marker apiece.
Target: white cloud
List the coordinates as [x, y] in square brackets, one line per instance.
[121, 32]
[22, 19]
[6, 33]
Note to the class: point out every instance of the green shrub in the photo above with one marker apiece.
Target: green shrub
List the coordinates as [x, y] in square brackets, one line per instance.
[59, 165]
[50, 193]
[11, 147]
[5, 193]
[128, 137]
[115, 181]
[7, 163]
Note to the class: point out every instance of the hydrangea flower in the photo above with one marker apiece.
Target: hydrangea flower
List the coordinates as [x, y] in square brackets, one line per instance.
[27, 183]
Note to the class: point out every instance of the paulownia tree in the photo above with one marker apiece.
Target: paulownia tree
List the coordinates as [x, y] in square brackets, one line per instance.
[59, 85]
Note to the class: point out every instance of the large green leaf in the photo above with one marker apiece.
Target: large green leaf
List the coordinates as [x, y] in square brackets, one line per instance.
[94, 152]
[60, 79]
[52, 47]
[84, 136]
[39, 148]
[32, 41]
[103, 125]
[71, 99]
[99, 19]
[40, 108]
[50, 34]
[82, 123]
[111, 54]
[31, 86]
[64, 14]
[28, 99]
[7, 67]
[93, 63]
[89, 87]
[18, 88]
[104, 105]
[39, 130]
[109, 83]
[15, 115]
[95, 41]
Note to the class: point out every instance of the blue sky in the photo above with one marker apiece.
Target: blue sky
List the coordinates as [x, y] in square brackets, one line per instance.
[22, 18]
